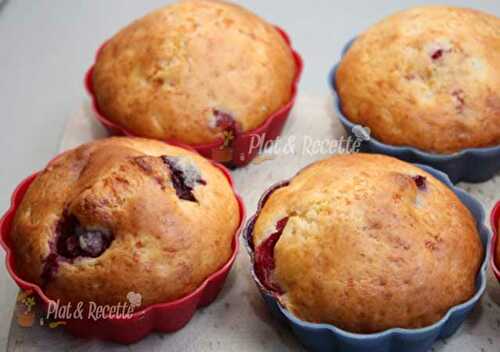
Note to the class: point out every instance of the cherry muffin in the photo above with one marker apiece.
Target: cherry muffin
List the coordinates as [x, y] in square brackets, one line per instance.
[124, 215]
[366, 243]
[427, 78]
[194, 72]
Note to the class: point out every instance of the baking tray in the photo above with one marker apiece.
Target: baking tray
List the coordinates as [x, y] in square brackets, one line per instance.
[238, 320]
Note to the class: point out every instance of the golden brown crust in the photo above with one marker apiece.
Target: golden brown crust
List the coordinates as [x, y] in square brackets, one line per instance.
[163, 247]
[366, 249]
[428, 77]
[165, 74]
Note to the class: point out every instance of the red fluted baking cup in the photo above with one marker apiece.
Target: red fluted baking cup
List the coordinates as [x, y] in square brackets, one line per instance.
[162, 317]
[495, 223]
[241, 148]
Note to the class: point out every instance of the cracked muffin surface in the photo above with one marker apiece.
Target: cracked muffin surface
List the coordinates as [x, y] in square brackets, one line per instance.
[366, 243]
[124, 215]
[171, 74]
[427, 77]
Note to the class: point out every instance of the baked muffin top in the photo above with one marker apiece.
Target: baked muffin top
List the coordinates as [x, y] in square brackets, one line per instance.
[124, 215]
[428, 77]
[366, 243]
[190, 70]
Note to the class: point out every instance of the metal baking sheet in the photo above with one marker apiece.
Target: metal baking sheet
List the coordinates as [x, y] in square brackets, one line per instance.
[238, 319]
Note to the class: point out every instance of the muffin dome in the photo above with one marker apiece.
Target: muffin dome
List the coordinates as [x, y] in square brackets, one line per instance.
[124, 215]
[428, 78]
[193, 69]
[366, 243]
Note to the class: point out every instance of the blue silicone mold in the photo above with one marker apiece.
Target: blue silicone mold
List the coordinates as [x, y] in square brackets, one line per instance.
[326, 337]
[469, 165]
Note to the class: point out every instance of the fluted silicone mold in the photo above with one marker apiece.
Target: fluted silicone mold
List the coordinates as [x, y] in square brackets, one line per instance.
[327, 337]
[162, 317]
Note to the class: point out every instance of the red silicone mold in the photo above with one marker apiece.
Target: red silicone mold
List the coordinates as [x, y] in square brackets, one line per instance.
[495, 223]
[240, 149]
[162, 317]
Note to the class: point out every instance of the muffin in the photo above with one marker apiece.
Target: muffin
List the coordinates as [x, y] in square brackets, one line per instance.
[366, 243]
[192, 71]
[428, 77]
[124, 215]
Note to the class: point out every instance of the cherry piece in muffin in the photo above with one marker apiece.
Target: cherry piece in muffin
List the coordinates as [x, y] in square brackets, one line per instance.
[184, 177]
[264, 257]
[73, 240]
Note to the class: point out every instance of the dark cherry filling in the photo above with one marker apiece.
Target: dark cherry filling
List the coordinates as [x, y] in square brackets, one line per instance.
[184, 177]
[227, 123]
[436, 55]
[264, 257]
[76, 241]
[224, 120]
[421, 182]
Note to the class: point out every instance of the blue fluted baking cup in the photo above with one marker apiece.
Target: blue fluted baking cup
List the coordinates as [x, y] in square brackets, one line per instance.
[327, 338]
[469, 165]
